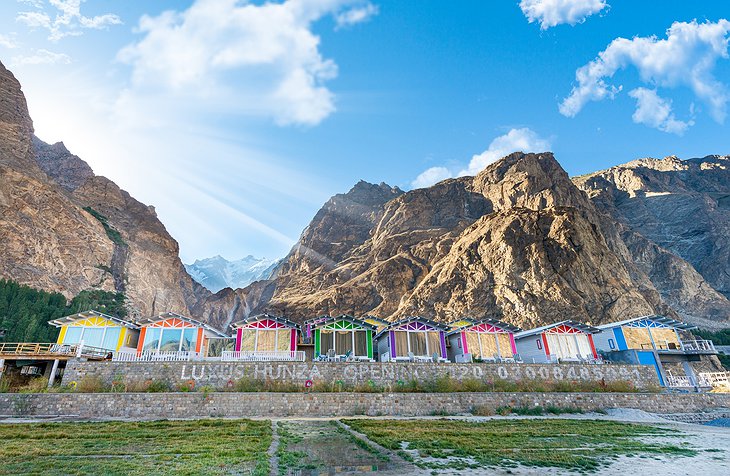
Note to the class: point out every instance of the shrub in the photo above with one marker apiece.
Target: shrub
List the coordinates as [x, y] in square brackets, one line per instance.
[4, 385]
[90, 385]
[36, 385]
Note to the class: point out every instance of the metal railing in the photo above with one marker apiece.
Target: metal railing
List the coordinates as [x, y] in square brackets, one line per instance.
[155, 356]
[698, 346]
[262, 356]
[681, 381]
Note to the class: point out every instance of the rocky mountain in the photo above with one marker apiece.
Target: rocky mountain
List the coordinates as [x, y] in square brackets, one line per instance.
[519, 241]
[65, 229]
[217, 273]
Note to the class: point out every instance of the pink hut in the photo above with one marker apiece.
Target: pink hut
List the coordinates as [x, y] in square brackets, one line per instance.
[266, 337]
[488, 340]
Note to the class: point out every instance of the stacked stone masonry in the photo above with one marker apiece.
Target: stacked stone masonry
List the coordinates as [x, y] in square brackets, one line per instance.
[272, 405]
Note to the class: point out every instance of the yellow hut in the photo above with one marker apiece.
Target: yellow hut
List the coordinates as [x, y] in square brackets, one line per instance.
[96, 329]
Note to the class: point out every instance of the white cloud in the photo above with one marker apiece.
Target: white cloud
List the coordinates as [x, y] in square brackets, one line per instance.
[8, 41]
[68, 20]
[551, 13]
[356, 15]
[254, 59]
[41, 56]
[516, 140]
[656, 112]
[687, 57]
[522, 140]
[431, 176]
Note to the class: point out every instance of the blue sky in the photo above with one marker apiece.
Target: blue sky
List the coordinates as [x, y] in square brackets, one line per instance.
[237, 119]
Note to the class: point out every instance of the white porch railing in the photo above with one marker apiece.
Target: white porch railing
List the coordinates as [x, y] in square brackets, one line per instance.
[715, 379]
[155, 356]
[698, 346]
[262, 356]
[681, 381]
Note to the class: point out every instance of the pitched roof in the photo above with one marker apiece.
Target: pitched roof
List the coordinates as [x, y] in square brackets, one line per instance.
[667, 321]
[588, 329]
[324, 320]
[408, 320]
[260, 317]
[62, 321]
[469, 322]
[146, 321]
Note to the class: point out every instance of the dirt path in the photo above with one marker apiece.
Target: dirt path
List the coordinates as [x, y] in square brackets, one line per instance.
[273, 459]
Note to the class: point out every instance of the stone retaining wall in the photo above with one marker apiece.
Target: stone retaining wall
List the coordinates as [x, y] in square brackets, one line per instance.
[221, 375]
[243, 405]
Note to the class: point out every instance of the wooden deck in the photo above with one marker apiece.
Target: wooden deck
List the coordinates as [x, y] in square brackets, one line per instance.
[44, 351]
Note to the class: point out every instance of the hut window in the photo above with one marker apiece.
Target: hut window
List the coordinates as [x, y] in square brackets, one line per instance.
[434, 343]
[170, 341]
[73, 335]
[417, 341]
[401, 343]
[326, 341]
[283, 337]
[189, 338]
[111, 338]
[248, 340]
[152, 338]
[611, 344]
[361, 343]
[539, 343]
[489, 345]
[472, 342]
[266, 341]
[343, 342]
[93, 336]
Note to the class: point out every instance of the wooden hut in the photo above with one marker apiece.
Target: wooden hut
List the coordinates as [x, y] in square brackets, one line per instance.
[485, 339]
[412, 339]
[567, 341]
[265, 337]
[96, 329]
[343, 337]
[175, 335]
[662, 342]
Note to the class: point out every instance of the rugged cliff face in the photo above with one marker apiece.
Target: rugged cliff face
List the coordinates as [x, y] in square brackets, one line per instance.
[65, 229]
[519, 241]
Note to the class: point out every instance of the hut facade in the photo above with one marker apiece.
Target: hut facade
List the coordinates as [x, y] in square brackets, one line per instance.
[95, 329]
[486, 340]
[413, 338]
[343, 337]
[569, 341]
[266, 333]
[173, 333]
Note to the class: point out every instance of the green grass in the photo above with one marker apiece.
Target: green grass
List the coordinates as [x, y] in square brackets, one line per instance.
[208, 447]
[579, 445]
[290, 461]
[111, 232]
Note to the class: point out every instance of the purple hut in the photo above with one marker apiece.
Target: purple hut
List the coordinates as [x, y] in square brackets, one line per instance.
[413, 339]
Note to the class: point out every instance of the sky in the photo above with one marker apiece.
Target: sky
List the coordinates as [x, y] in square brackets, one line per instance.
[238, 119]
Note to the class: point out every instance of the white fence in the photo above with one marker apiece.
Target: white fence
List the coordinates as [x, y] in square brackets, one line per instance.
[262, 356]
[154, 356]
[680, 381]
[715, 379]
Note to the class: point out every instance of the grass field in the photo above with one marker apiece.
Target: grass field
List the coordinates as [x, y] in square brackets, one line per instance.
[207, 447]
[581, 445]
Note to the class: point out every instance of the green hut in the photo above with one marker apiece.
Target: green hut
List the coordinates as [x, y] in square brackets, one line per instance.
[342, 338]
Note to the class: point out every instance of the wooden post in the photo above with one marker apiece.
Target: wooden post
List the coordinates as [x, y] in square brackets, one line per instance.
[54, 369]
[2, 368]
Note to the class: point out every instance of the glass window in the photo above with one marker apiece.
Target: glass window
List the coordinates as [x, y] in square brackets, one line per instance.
[73, 335]
[248, 340]
[418, 343]
[111, 338]
[93, 336]
[434, 343]
[283, 341]
[326, 341]
[151, 338]
[170, 340]
[361, 343]
[267, 341]
[189, 340]
[343, 342]
[401, 343]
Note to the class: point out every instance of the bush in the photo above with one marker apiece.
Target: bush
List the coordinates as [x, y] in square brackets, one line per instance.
[36, 385]
[90, 385]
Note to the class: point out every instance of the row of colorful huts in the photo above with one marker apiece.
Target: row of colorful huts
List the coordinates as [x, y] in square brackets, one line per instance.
[266, 337]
